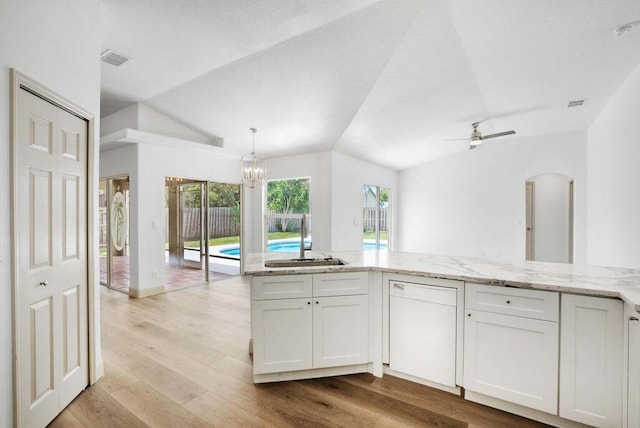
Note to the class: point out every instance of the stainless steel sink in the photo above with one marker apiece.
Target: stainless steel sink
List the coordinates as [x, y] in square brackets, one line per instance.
[329, 261]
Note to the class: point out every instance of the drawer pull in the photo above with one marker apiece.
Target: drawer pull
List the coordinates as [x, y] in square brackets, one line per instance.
[633, 318]
[508, 301]
[468, 315]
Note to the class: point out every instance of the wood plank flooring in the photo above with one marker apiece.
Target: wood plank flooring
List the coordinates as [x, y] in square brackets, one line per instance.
[180, 360]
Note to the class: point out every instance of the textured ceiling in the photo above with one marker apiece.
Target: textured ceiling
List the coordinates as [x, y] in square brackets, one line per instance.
[385, 81]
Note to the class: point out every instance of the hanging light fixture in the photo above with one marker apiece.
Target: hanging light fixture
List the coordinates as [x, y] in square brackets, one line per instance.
[253, 167]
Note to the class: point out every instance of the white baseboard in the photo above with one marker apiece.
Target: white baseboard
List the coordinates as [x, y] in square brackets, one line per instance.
[145, 292]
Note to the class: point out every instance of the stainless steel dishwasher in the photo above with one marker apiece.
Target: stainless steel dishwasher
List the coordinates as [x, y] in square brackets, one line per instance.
[422, 331]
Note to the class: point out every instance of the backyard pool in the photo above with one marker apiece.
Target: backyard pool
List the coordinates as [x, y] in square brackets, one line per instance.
[290, 247]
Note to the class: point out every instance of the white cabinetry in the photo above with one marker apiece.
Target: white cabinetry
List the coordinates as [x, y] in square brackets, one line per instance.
[511, 345]
[633, 368]
[340, 331]
[282, 335]
[301, 322]
[591, 360]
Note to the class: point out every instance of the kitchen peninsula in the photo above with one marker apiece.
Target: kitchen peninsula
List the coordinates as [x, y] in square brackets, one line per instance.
[558, 343]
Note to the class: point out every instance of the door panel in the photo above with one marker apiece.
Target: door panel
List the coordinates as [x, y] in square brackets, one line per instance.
[40, 215]
[42, 343]
[70, 213]
[71, 322]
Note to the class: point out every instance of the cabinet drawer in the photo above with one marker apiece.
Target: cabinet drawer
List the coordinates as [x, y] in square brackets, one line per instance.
[281, 287]
[340, 284]
[536, 304]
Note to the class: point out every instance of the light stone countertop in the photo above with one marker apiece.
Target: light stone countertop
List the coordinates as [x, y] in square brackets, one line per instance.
[622, 283]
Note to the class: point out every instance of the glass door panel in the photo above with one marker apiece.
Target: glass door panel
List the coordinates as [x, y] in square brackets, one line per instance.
[224, 229]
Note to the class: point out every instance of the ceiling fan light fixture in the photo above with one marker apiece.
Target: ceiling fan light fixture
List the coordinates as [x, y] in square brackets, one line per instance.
[475, 140]
[253, 167]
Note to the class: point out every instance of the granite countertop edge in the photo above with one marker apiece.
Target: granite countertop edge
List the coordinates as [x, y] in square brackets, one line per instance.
[615, 282]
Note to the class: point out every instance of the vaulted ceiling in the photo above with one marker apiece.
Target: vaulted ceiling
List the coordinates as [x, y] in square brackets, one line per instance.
[385, 81]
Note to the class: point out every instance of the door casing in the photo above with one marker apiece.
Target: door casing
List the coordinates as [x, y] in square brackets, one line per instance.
[96, 366]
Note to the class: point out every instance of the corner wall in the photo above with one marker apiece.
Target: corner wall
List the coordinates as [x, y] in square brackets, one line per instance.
[147, 165]
[473, 203]
[40, 39]
[613, 154]
[314, 165]
[348, 176]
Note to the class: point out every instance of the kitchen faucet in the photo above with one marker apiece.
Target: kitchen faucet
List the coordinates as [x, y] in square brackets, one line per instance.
[303, 234]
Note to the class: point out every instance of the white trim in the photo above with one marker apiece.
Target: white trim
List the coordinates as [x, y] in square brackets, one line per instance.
[96, 365]
[146, 292]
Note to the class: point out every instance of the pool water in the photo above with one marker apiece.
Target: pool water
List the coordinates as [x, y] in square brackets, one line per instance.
[290, 247]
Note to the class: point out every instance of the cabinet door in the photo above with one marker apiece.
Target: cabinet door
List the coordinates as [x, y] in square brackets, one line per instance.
[422, 339]
[282, 335]
[512, 358]
[340, 331]
[591, 360]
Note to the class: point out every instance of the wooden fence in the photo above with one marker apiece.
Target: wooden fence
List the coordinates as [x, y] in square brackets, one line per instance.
[369, 219]
[221, 223]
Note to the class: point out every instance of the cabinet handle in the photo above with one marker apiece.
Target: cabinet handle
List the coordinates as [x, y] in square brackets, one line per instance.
[308, 303]
[633, 318]
[468, 315]
[317, 302]
[44, 283]
[508, 301]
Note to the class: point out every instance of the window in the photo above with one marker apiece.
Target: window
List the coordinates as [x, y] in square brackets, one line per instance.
[375, 217]
[287, 201]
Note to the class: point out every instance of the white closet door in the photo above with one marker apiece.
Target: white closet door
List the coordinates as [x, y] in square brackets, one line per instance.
[51, 172]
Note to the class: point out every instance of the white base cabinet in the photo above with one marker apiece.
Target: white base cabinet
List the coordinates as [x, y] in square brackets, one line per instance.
[340, 331]
[633, 368]
[282, 335]
[293, 334]
[591, 360]
[512, 353]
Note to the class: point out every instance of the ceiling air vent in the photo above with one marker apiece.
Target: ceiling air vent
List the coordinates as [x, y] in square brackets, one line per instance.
[114, 58]
[576, 103]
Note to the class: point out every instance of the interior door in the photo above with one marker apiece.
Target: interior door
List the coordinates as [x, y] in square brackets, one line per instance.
[50, 167]
[530, 237]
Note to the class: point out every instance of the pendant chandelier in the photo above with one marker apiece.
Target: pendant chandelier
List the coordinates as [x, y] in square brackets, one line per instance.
[253, 167]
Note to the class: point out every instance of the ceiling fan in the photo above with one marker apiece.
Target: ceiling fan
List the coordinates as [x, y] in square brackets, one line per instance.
[477, 137]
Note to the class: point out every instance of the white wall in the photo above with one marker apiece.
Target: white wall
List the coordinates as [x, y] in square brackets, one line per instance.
[613, 156]
[473, 203]
[551, 218]
[58, 45]
[317, 166]
[154, 163]
[348, 175]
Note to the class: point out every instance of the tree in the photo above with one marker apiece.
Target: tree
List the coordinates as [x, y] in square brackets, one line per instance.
[224, 195]
[288, 197]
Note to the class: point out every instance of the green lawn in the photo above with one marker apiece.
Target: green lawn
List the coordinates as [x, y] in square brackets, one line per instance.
[225, 240]
[384, 235]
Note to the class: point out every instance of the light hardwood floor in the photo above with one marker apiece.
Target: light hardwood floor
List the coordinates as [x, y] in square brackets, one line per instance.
[180, 360]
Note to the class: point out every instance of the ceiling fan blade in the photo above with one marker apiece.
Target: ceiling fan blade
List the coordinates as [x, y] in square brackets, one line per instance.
[499, 134]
